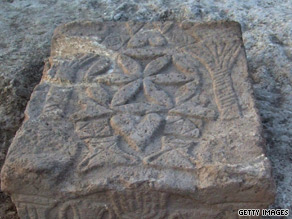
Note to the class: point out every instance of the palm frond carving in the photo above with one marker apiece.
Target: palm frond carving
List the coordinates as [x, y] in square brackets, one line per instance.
[218, 54]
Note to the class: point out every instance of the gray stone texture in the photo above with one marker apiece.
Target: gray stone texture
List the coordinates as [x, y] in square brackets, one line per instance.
[26, 30]
[141, 120]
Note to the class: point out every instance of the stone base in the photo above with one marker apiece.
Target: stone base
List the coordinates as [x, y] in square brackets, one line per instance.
[127, 204]
[141, 120]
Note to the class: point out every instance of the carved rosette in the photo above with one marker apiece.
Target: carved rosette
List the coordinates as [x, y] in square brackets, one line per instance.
[149, 91]
[139, 103]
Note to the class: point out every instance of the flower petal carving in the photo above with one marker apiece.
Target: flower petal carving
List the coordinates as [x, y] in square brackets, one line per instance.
[185, 63]
[185, 92]
[170, 78]
[98, 94]
[138, 40]
[129, 65]
[99, 67]
[126, 92]
[156, 39]
[142, 53]
[116, 79]
[192, 110]
[73, 71]
[142, 38]
[176, 125]
[180, 37]
[155, 66]
[156, 96]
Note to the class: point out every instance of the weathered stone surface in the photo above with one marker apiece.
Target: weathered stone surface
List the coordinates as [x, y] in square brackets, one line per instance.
[141, 120]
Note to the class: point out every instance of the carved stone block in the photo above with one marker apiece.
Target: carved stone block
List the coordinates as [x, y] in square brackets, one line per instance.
[141, 120]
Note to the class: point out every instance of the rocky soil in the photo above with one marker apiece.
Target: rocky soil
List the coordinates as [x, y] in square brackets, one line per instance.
[27, 26]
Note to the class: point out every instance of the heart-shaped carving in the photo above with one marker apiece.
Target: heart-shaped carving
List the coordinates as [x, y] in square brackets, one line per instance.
[135, 131]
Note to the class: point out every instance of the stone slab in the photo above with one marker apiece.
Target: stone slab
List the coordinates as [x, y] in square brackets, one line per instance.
[141, 120]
